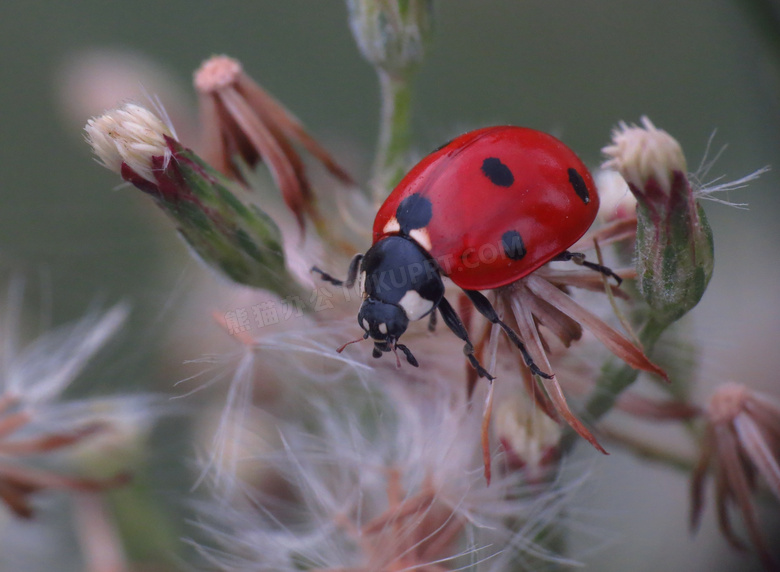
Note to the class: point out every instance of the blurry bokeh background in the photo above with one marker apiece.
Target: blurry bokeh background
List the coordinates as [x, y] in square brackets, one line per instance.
[572, 68]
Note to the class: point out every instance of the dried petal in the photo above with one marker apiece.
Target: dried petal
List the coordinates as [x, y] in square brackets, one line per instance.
[530, 335]
[242, 121]
[655, 410]
[737, 484]
[616, 342]
[754, 444]
[698, 478]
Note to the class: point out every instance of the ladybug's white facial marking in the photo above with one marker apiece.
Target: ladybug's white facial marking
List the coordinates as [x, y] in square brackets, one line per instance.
[421, 236]
[382, 328]
[579, 185]
[392, 226]
[415, 305]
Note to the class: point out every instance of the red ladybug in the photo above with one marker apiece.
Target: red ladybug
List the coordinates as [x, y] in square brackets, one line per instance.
[485, 210]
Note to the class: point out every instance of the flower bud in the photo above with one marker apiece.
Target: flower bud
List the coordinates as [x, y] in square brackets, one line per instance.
[391, 34]
[528, 436]
[237, 239]
[674, 241]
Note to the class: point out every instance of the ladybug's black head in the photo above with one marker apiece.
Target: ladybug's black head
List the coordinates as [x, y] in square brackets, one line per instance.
[383, 322]
[401, 283]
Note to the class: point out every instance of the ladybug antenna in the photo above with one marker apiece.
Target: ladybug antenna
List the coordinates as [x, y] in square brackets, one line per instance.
[364, 337]
[397, 359]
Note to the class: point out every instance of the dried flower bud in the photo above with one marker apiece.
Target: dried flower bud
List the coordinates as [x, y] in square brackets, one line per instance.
[242, 121]
[529, 437]
[237, 239]
[674, 241]
[391, 35]
[740, 443]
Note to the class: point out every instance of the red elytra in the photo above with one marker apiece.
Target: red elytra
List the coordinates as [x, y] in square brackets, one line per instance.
[500, 202]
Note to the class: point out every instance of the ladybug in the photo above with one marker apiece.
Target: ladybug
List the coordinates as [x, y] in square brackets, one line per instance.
[485, 210]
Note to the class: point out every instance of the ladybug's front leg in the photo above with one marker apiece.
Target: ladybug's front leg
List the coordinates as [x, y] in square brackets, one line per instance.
[579, 258]
[483, 305]
[455, 324]
[352, 272]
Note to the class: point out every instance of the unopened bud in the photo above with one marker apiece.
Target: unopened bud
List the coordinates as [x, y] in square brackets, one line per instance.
[391, 34]
[674, 241]
[235, 238]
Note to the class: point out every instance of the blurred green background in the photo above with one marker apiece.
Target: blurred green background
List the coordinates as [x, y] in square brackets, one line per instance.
[571, 67]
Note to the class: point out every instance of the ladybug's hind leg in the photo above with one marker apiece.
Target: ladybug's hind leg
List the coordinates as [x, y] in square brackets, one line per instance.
[352, 272]
[483, 305]
[455, 324]
[579, 258]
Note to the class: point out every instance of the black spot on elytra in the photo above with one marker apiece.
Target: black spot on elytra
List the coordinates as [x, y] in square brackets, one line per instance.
[415, 211]
[579, 185]
[498, 173]
[512, 242]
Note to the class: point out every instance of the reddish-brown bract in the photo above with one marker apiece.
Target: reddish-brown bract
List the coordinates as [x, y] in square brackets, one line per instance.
[531, 193]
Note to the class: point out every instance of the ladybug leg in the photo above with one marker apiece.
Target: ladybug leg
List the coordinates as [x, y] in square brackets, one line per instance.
[352, 272]
[408, 353]
[484, 307]
[579, 258]
[432, 321]
[454, 323]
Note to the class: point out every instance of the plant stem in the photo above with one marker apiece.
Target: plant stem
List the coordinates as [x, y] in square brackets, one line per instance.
[650, 451]
[615, 377]
[394, 133]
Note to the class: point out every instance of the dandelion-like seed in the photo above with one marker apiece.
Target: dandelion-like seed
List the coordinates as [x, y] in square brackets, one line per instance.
[741, 440]
[395, 491]
[32, 423]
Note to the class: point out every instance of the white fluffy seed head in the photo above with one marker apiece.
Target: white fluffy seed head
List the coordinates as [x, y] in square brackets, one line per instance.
[643, 153]
[130, 134]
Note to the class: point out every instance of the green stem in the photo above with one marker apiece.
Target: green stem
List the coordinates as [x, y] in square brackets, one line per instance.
[394, 133]
[651, 451]
[615, 377]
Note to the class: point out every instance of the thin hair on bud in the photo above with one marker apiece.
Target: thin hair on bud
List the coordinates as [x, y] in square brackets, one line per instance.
[159, 108]
[706, 190]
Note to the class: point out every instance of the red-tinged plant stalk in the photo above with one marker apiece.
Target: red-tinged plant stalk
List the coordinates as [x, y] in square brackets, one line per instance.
[235, 238]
